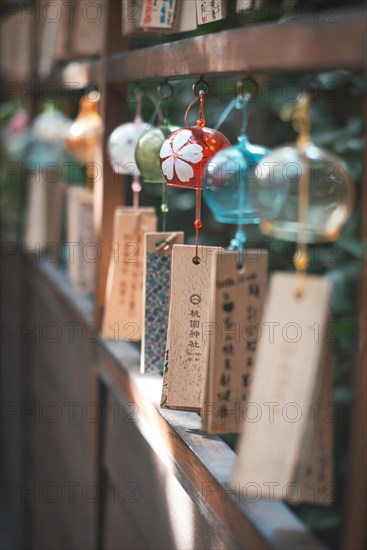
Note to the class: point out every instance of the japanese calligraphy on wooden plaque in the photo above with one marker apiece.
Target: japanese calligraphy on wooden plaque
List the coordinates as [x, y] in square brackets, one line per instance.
[278, 425]
[157, 269]
[314, 474]
[209, 11]
[236, 309]
[186, 349]
[124, 293]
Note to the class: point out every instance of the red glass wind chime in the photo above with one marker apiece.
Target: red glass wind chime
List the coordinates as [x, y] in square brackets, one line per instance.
[186, 151]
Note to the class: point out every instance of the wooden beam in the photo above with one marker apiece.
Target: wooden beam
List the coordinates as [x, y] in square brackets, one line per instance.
[330, 43]
[300, 46]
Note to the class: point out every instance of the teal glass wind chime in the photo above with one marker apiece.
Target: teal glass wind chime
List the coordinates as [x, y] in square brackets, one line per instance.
[229, 178]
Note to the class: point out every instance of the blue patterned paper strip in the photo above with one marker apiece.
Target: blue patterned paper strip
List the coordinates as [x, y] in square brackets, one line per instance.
[158, 268]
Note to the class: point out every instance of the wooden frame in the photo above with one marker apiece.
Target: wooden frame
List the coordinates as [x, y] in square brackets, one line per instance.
[325, 45]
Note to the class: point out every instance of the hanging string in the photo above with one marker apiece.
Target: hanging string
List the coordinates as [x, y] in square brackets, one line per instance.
[240, 103]
[136, 184]
[198, 225]
[136, 188]
[227, 111]
[164, 96]
[201, 120]
[302, 124]
[301, 258]
[157, 113]
[240, 236]
[139, 97]
[201, 97]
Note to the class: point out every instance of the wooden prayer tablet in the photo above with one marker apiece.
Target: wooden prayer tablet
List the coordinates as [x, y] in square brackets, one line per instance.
[237, 297]
[290, 360]
[82, 249]
[124, 292]
[189, 318]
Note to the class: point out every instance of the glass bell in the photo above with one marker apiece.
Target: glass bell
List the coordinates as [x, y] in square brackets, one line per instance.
[229, 180]
[85, 133]
[319, 194]
[122, 144]
[147, 152]
[330, 193]
[150, 143]
[51, 125]
[17, 134]
[185, 153]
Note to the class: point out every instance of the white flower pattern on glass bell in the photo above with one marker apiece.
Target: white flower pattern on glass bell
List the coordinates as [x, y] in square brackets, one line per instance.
[178, 156]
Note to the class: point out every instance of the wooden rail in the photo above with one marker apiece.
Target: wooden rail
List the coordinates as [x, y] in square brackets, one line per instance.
[197, 460]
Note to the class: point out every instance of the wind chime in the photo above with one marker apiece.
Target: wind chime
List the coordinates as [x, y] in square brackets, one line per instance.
[122, 144]
[230, 176]
[319, 194]
[85, 133]
[149, 146]
[186, 151]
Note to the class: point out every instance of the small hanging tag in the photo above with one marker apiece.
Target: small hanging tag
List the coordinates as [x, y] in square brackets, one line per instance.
[158, 14]
[44, 206]
[236, 310]
[124, 292]
[209, 11]
[288, 369]
[189, 317]
[186, 18]
[36, 224]
[82, 246]
[157, 269]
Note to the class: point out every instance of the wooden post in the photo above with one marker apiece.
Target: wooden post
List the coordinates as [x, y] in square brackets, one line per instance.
[108, 187]
[355, 530]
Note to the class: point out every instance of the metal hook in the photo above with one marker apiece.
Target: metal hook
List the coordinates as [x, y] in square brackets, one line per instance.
[170, 91]
[309, 82]
[299, 115]
[92, 94]
[245, 87]
[200, 85]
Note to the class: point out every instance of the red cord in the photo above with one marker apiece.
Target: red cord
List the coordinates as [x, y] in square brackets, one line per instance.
[202, 97]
